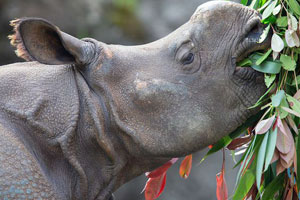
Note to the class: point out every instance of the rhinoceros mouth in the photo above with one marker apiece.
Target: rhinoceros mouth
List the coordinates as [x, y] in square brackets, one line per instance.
[250, 39]
[248, 44]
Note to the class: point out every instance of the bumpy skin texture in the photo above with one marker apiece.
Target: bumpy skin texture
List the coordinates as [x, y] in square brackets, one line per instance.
[81, 117]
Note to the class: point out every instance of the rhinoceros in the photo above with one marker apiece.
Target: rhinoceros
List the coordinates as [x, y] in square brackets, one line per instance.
[81, 117]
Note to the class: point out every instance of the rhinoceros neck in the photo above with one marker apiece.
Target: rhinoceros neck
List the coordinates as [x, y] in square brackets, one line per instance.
[105, 158]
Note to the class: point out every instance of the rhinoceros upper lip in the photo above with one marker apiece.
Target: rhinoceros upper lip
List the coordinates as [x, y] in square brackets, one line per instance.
[249, 44]
[250, 38]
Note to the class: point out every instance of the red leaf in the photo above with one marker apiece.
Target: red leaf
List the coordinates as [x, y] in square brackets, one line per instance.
[210, 146]
[159, 171]
[186, 166]
[222, 191]
[289, 195]
[155, 186]
[238, 142]
[279, 168]
[275, 156]
[285, 138]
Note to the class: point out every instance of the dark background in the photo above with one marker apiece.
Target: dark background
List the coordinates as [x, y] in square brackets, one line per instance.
[125, 22]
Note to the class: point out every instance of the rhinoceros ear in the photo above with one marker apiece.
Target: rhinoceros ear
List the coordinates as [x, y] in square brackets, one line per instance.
[38, 40]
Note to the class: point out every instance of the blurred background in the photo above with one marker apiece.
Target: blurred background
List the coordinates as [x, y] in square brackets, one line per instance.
[127, 22]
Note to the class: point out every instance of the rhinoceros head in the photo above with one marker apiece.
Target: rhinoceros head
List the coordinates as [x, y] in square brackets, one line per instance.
[171, 97]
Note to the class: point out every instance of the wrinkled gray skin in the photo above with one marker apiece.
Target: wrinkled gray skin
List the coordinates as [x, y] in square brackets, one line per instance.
[85, 117]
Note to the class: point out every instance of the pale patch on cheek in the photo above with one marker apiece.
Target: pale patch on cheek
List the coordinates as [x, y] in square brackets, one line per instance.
[139, 85]
[98, 67]
[109, 54]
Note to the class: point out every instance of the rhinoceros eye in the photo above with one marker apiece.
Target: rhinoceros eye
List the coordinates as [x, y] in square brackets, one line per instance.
[188, 59]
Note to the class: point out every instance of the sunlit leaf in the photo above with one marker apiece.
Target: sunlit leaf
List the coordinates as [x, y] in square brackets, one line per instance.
[186, 166]
[291, 38]
[264, 5]
[254, 4]
[264, 34]
[277, 43]
[277, 9]
[268, 11]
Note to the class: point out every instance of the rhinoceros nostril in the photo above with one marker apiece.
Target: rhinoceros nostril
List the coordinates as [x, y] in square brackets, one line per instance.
[254, 29]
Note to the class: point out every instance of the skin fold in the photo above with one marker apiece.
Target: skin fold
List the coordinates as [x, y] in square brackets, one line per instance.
[81, 117]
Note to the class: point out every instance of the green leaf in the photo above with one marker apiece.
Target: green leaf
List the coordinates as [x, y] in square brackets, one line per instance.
[262, 98]
[223, 142]
[295, 105]
[273, 187]
[277, 98]
[245, 185]
[298, 80]
[268, 11]
[282, 22]
[269, 20]
[245, 62]
[264, 57]
[254, 4]
[270, 147]
[260, 159]
[264, 35]
[244, 2]
[277, 10]
[297, 50]
[283, 113]
[269, 67]
[294, 5]
[269, 79]
[287, 62]
[264, 5]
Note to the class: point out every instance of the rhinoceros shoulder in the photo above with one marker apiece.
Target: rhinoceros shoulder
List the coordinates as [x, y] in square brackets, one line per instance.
[44, 96]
